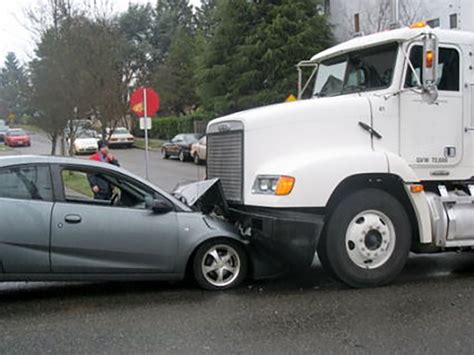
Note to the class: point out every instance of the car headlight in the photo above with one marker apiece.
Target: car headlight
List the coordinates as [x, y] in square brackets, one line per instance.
[278, 185]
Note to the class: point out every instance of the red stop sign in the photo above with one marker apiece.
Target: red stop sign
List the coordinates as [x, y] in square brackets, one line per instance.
[137, 102]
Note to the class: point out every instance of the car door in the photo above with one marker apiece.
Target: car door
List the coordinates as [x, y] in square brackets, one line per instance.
[26, 203]
[95, 236]
[176, 145]
[442, 144]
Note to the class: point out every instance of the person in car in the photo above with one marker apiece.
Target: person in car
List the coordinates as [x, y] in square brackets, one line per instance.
[102, 188]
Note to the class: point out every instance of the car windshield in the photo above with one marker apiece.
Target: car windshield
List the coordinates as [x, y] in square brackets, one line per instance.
[358, 71]
[120, 130]
[86, 134]
[19, 132]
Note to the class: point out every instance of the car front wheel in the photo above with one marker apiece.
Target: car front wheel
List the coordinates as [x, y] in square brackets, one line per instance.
[164, 154]
[220, 264]
[367, 239]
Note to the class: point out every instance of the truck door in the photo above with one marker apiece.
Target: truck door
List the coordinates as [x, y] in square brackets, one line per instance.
[431, 135]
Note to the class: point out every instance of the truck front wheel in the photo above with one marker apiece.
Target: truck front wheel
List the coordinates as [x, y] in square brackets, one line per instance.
[367, 239]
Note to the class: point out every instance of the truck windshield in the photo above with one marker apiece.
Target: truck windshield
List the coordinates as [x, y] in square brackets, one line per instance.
[358, 71]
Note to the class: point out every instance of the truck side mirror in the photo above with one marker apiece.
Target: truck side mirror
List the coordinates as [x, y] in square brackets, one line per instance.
[430, 68]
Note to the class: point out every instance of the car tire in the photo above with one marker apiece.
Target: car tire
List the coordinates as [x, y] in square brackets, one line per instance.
[367, 239]
[164, 154]
[220, 264]
[181, 156]
[196, 159]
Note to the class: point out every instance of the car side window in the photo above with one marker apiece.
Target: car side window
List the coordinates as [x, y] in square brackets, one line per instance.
[448, 68]
[26, 183]
[92, 186]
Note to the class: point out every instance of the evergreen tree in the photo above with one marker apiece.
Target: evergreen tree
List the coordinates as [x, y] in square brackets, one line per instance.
[218, 71]
[174, 78]
[136, 27]
[171, 16]
[250, 58]
[13, 88]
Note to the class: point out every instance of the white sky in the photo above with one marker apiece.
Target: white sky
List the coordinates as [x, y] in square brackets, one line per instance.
[14, 37]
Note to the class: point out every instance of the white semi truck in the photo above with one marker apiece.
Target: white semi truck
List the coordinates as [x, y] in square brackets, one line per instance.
[378, 162]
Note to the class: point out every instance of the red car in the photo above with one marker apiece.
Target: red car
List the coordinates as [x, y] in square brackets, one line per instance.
[17, 137]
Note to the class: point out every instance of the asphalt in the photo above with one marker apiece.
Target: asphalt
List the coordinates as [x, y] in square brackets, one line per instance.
[426, 309]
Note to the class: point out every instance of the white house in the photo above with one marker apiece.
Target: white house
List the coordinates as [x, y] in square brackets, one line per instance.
[358, 17]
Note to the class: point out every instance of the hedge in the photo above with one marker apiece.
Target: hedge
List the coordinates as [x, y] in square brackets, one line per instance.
[169, 126]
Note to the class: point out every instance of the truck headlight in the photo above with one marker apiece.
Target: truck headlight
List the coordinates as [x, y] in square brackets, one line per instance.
[279, 185]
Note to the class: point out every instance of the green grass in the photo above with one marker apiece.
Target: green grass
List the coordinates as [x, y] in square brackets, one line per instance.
[77, 183]
[153, 144]
[4, 148]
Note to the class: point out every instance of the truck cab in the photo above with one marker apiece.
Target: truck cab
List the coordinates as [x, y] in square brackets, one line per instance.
[375, 160]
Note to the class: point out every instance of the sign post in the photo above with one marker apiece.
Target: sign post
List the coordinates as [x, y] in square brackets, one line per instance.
[146, 134]
[145, 102]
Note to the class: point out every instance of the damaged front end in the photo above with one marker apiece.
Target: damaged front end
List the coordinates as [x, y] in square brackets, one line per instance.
[205, 196]
[208, 198]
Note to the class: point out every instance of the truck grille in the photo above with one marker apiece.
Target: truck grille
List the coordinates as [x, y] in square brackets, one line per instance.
[225, 161]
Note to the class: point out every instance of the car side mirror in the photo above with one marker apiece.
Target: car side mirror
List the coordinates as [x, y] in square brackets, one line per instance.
[430, 68]
[158, 206]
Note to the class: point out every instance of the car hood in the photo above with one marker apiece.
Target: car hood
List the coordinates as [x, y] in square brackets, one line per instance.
[206, 196]
[121, 136]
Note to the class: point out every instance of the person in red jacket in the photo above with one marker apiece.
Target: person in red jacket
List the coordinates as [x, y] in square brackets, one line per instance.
[101, 187]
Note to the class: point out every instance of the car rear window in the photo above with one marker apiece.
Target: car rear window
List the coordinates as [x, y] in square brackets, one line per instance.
[26, 183]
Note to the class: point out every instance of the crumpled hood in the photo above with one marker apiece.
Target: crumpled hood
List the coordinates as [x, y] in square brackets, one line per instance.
[204, 196]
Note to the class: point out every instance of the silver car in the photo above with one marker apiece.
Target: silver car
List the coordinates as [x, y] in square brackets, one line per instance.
[53, 227]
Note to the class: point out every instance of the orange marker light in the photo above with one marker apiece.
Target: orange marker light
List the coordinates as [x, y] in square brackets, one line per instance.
[429, 59]
[417, 188]
[285, 185]
[420, 24]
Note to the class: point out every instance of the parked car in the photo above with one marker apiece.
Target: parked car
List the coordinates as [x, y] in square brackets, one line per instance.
[3, 132]
[141, 233]
[121, 137]
[198, 151]
[180, 146]
[86, 142]
[17, 137]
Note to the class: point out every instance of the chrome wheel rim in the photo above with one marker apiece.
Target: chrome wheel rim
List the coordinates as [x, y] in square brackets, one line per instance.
[370, 239]
[181, 156]
[196, 159]
[221, 265]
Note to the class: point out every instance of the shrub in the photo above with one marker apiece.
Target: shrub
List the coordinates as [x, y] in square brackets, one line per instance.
[169, 126]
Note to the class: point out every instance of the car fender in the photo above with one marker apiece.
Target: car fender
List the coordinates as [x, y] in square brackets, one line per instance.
[196, 228]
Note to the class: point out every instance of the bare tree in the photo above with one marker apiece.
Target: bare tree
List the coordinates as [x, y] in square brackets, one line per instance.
[376, 16]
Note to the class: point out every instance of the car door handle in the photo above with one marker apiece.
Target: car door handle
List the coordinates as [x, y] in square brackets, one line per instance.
[73, 218]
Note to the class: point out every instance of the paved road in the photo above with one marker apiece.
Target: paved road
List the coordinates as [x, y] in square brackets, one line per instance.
[426, 310]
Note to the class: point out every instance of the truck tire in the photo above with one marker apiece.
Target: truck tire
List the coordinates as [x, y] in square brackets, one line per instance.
[367, 239]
